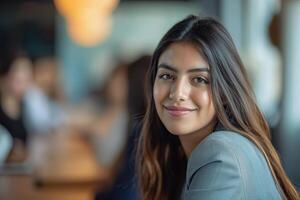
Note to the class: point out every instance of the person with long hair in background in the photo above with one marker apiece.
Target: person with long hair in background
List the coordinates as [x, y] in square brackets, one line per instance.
[203, 135]
[124, 185]
[15, 78]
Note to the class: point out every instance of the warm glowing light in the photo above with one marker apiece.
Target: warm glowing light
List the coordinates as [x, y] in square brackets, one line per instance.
[85, 32]
[88, 21]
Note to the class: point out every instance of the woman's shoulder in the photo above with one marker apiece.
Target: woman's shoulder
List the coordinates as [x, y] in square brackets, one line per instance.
[228, 141]
[226, 147]
[226, 159]
[227, 137]
[220, 146]
[222, 142]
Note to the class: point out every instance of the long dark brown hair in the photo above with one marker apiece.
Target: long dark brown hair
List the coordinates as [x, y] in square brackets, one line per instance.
[161, 160]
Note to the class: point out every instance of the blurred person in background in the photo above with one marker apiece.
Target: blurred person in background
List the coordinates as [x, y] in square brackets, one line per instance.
[15, 79]
[43, 100]
[124, 184]
[102, 116]
[109, 128]
[110, 119]
[113, 132]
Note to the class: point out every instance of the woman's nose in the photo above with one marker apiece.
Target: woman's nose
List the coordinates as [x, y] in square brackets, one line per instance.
[179, 90]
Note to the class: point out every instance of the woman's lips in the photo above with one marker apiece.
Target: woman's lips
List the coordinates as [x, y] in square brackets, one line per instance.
[178, 111]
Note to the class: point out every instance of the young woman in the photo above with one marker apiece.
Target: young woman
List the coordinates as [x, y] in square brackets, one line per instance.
[203, 135]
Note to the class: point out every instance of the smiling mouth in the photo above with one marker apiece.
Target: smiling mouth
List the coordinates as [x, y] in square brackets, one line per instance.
[175, 111]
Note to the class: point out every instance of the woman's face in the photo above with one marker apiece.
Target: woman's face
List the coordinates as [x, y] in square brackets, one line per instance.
[182, 91]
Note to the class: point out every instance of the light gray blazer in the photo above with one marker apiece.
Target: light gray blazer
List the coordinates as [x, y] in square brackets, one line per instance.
[226, 165]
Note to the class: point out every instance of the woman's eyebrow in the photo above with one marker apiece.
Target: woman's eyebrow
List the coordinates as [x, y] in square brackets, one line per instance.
[200, 69]
[165, 66]
[196, 69]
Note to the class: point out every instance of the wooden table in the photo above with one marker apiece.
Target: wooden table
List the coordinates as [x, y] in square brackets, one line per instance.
[22, 188]
[62, 166]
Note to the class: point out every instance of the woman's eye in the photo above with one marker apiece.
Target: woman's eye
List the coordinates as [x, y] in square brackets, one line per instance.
[166, 77]
[200, 80]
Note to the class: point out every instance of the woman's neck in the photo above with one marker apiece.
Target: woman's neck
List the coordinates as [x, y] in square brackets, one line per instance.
[191, 140]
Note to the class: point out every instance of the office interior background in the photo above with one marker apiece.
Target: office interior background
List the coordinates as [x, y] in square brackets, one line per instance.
[80, 43]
